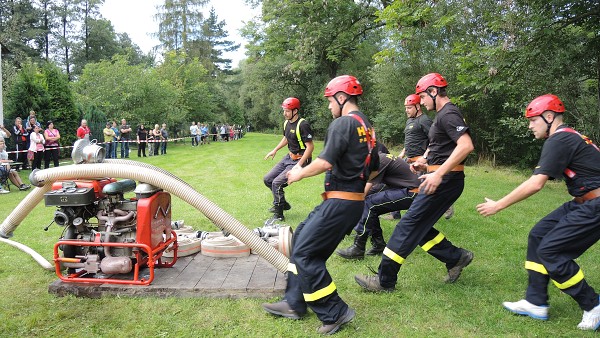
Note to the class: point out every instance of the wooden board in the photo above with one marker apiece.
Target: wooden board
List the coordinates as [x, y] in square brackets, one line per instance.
[192, 276]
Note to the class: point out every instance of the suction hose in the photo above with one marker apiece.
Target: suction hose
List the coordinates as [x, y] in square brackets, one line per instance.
[159, 178]
[38, 258]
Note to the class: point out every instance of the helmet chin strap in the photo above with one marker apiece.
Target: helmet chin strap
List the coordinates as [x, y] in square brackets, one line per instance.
[341, 105]
[291, 118]
[548, 124]
[433, 97]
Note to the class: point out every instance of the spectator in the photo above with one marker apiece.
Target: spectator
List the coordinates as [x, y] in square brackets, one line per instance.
[21, 136]
[116, 138]
[142, 136]
[125, 132]
[36, 145]
[109, 135]
[214, 132]
[7, 172]
[194, 133]
[84, 131]
[4, 133]
[223, 133]
[164, 136]
[31, 123]
[157, 135]
[52, 152]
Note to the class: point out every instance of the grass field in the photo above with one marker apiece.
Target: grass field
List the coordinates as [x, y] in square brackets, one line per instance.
[230, 174]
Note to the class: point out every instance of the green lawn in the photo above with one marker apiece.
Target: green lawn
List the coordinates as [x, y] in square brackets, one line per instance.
[230, 174]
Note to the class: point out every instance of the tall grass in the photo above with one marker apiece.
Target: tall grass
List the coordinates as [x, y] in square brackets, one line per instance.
[230, 174]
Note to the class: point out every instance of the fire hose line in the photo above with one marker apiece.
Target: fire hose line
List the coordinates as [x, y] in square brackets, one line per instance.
[44, 178]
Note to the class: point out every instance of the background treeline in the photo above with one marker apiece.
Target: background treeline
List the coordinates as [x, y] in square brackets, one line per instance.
[496, 54]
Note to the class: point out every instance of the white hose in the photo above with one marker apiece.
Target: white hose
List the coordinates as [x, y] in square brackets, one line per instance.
[38, 258]
[159, 178]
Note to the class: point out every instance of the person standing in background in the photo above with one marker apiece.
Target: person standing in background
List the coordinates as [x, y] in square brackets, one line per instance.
[125, 132]
[109, 135]
[36, 145]
[21, 138]
[52, 135]
[164, 134]
[84, 131]
[142, 136]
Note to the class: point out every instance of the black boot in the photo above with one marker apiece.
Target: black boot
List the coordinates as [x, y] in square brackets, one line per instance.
[278, 213]
[356, 250]
[378, 245]
[286, 206]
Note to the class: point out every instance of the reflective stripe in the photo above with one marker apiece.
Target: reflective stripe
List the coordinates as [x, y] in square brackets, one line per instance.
[537, 267]
[570, 282]
[292, 268]
[298, 136]
[393, 256]
[326, 291]
[433, 242]
[302, 146]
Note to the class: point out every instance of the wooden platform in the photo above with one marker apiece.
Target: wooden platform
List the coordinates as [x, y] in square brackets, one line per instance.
[193, 276]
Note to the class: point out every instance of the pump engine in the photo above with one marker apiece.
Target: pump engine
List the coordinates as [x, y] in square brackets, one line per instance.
[107, 237]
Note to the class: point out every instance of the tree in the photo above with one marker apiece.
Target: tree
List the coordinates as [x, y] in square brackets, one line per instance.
[298, 47]
[21, 29]
[209, 47]
[179, 23]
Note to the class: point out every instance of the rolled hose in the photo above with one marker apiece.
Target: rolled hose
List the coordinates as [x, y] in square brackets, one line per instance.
[148, 174]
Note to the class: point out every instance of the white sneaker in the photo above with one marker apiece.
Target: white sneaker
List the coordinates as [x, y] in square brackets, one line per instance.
[590, 320]
[2, 191]
[525, 308]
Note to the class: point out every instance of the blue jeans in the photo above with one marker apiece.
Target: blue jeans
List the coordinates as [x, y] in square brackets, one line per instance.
[113, 149]
[124, 148]
[108, 147]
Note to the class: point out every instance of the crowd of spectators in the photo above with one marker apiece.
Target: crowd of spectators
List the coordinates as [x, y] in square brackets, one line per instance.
[38, 143]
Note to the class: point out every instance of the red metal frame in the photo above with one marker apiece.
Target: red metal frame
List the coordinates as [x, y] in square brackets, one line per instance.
[153, 259]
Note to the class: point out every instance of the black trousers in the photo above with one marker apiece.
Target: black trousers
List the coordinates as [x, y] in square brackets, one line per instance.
[142, 148]
[553, 245]
[51, 153]
[276, 179]
[391, 199]
[416, 228]
[315, 239]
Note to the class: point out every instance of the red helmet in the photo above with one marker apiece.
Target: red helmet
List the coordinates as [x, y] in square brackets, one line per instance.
[291, 103]
[412, 99]
[344, 83]
[543, 103]
[430, 80]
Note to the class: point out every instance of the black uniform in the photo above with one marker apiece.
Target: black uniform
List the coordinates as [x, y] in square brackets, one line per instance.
[416, 135]
[315, 239]
[416, 227]
[567, 232]
[297, 133]
[395, 174]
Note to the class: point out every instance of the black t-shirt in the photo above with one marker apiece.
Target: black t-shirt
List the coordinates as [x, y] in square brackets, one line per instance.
[346, 150]
[291, 134]
[142, 134]
[448, 126]
[395, 172]
[416, 135]
[570, 155]
[124, 136]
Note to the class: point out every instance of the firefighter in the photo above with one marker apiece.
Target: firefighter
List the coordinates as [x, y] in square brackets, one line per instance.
[400, 188]
[348, 158]
[416, 135]
[449, 145]
[297, 136]
[566, 233]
